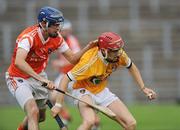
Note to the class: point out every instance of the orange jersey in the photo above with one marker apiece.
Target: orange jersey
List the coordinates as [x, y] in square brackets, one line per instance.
[92, 70]
[38, 51]
[75, 47]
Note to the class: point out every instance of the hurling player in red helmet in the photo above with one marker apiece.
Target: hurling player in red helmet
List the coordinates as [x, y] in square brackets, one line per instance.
[90, 81]
[110, 44]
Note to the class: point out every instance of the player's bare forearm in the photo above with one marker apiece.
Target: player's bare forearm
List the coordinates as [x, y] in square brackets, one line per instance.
[60, 97]
[136, 75]
[62, 86]
[86, 48]
[77, 56]
[74, 57]
[23, 65]
[26, 68]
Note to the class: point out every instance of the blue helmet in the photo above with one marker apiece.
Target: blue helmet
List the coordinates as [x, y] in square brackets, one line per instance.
[51, 16]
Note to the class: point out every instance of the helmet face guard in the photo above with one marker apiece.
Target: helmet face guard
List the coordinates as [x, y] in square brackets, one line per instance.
[51, 16]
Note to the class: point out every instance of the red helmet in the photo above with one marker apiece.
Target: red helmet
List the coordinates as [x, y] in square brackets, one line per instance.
[110, 40]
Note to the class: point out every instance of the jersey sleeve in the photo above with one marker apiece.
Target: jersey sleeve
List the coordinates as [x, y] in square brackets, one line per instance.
[25, 44]
[83, 69]
[125, 60]
[63, 47]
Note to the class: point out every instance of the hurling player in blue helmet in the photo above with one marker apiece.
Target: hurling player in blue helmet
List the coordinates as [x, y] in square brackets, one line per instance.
[49, 17]
[26, 73]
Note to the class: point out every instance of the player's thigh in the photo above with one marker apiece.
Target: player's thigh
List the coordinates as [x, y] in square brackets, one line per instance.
[23, 94]
[20, 89]
[123, 115]
[87, 113]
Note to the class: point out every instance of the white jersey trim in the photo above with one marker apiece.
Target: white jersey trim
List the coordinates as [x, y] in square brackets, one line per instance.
[24, 44]
[63, 47]
[102, 58]
[129, 62]
[41, 36]
[71, 76]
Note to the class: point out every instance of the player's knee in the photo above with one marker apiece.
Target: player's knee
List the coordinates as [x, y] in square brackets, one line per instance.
[34, 112]
[89, 123]
[131, 125]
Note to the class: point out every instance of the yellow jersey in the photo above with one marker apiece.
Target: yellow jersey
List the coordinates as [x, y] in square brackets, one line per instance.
[92, 71]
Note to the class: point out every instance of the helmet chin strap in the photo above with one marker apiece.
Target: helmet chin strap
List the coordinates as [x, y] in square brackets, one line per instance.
[46, 28]
[104, 53]
[47, 24]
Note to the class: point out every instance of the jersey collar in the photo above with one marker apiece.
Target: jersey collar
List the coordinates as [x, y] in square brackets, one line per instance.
[102, 58]
[41, 36]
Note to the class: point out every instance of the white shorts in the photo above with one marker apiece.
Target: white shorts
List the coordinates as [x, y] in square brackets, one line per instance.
[25, 89]
[104, 98]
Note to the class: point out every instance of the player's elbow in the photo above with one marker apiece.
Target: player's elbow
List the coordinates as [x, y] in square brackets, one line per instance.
[19, 62]
[16, 62]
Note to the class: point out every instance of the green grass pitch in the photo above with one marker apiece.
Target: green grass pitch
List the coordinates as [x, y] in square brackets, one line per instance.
[149, 117]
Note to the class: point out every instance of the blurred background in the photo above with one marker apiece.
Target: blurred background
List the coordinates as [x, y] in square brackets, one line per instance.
[150, 29]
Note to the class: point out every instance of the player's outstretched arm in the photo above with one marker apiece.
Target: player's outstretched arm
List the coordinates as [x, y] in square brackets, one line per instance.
[73, 58]
[60, 97]
[138, 78]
